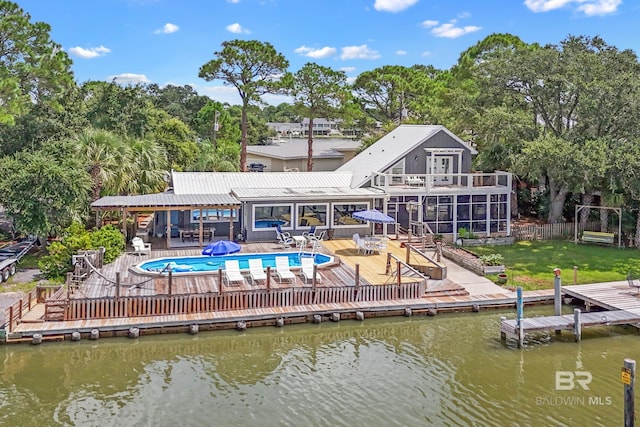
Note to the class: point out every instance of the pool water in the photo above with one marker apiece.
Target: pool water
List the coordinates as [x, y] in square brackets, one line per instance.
[214, 263]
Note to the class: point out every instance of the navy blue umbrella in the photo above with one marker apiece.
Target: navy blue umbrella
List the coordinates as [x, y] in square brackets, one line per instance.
[221, 247]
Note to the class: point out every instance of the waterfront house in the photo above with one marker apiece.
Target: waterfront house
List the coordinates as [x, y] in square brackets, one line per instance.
[419, 174]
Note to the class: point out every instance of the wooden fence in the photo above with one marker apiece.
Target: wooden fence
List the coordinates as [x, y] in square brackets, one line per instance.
[550, 231]
[158, 305]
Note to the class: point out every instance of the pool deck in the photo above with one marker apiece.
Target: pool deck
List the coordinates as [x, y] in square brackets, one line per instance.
[472, 293]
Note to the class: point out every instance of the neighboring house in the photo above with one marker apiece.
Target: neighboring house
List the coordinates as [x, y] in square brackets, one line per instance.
[419, 174]
[291, 154]
[425, 171]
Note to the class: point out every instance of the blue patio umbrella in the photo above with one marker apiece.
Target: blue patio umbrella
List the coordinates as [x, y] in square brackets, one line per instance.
[373, 215]
[221, 247]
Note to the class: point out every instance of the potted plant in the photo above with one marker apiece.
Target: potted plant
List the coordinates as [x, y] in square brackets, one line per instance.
[502, 278]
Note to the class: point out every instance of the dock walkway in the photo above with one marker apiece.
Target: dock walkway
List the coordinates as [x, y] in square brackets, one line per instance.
[618, 303]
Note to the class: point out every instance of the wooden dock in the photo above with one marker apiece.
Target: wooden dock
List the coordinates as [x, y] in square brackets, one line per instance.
[201, 302]
[619, 304]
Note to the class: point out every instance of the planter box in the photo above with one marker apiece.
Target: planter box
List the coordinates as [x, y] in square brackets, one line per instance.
[488, 241]
[493, 269]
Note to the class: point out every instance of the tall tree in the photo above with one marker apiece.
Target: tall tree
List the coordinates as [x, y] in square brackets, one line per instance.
[318, 92]
[44, 191]
[34, 69]
[254, 68]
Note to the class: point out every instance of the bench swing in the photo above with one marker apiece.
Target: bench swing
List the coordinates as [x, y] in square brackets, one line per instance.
[598, 237]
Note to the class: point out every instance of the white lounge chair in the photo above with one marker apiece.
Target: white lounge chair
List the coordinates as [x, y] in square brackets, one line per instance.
[282, 269]
[232, 272]
[256, 270]
[307, 268]
[140, 247]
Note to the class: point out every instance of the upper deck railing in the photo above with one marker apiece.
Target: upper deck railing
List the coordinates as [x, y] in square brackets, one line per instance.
[431, 182]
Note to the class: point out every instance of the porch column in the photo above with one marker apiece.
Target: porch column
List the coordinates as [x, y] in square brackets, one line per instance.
[233, 213]
[168, 228]
[509, 185]
[124, 224]
[201, 229]
[488, 215]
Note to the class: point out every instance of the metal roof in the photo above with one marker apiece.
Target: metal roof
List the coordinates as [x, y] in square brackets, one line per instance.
[385, 152]
[226, 182]
[298, 149]
[165, 200]
[331, 193]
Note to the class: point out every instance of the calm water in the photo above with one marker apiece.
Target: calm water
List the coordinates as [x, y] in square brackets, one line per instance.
[445, 370]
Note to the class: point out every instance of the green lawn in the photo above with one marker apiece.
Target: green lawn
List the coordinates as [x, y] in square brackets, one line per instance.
[531, 264]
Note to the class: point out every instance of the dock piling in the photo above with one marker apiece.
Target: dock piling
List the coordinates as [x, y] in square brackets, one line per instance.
[577, 326]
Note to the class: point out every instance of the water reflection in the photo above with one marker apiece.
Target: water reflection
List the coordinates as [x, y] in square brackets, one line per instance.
[445, 370]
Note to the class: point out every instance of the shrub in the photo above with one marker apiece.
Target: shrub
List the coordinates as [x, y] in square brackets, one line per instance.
[76, 238]
[492, 259]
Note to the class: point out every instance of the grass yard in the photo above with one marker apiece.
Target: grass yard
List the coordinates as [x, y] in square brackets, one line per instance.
[531, 264]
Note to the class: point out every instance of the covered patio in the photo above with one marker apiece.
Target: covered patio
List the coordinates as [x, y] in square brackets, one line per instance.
[171, 233]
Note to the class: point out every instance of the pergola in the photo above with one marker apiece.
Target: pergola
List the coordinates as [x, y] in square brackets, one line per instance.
[167, 202]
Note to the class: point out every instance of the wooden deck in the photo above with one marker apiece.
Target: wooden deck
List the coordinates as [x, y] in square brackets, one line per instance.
[621, 306]
[199, 300]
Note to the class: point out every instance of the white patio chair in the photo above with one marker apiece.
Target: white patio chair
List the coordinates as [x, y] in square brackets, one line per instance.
[282, 269]
[307, 267]
[232, 272]
[256, 270]
[140, 247]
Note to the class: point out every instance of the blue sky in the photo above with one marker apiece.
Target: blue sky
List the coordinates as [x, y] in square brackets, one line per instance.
[166, 41]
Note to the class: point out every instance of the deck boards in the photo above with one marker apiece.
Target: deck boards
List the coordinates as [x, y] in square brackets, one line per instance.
[620, 302]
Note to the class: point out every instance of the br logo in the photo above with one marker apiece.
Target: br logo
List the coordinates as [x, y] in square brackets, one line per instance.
[567, 380]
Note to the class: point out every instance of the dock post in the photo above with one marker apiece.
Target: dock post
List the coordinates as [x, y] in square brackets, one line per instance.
[557, 294]
[575, 274]
[577, 326]
[170, 282]
[503, 336]
[629, 391]
[268, 278]
[519, 316]
[117, 285]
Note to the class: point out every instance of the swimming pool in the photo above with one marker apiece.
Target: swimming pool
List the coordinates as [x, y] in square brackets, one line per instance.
[211, 264]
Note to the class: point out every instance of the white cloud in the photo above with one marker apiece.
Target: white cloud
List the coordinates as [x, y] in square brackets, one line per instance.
[233, 1]
[168, 28]
[92, 52]
[237, 29]
[129, 78]
[451, 31]
[401, 52]
[426, 53]
[348, 69]
[359, 52]
[602, 7]
[393, 5]
[323, 52]
[429, 23]
[588, 7]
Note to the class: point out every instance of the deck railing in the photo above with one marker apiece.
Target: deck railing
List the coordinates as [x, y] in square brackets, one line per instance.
[430, 182]
[16, 311]
[137, 306]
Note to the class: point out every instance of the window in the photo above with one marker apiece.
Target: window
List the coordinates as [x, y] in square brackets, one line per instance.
[342, 213]
[309, 215]
[396, 171]
[211, 215]
[269, 216]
